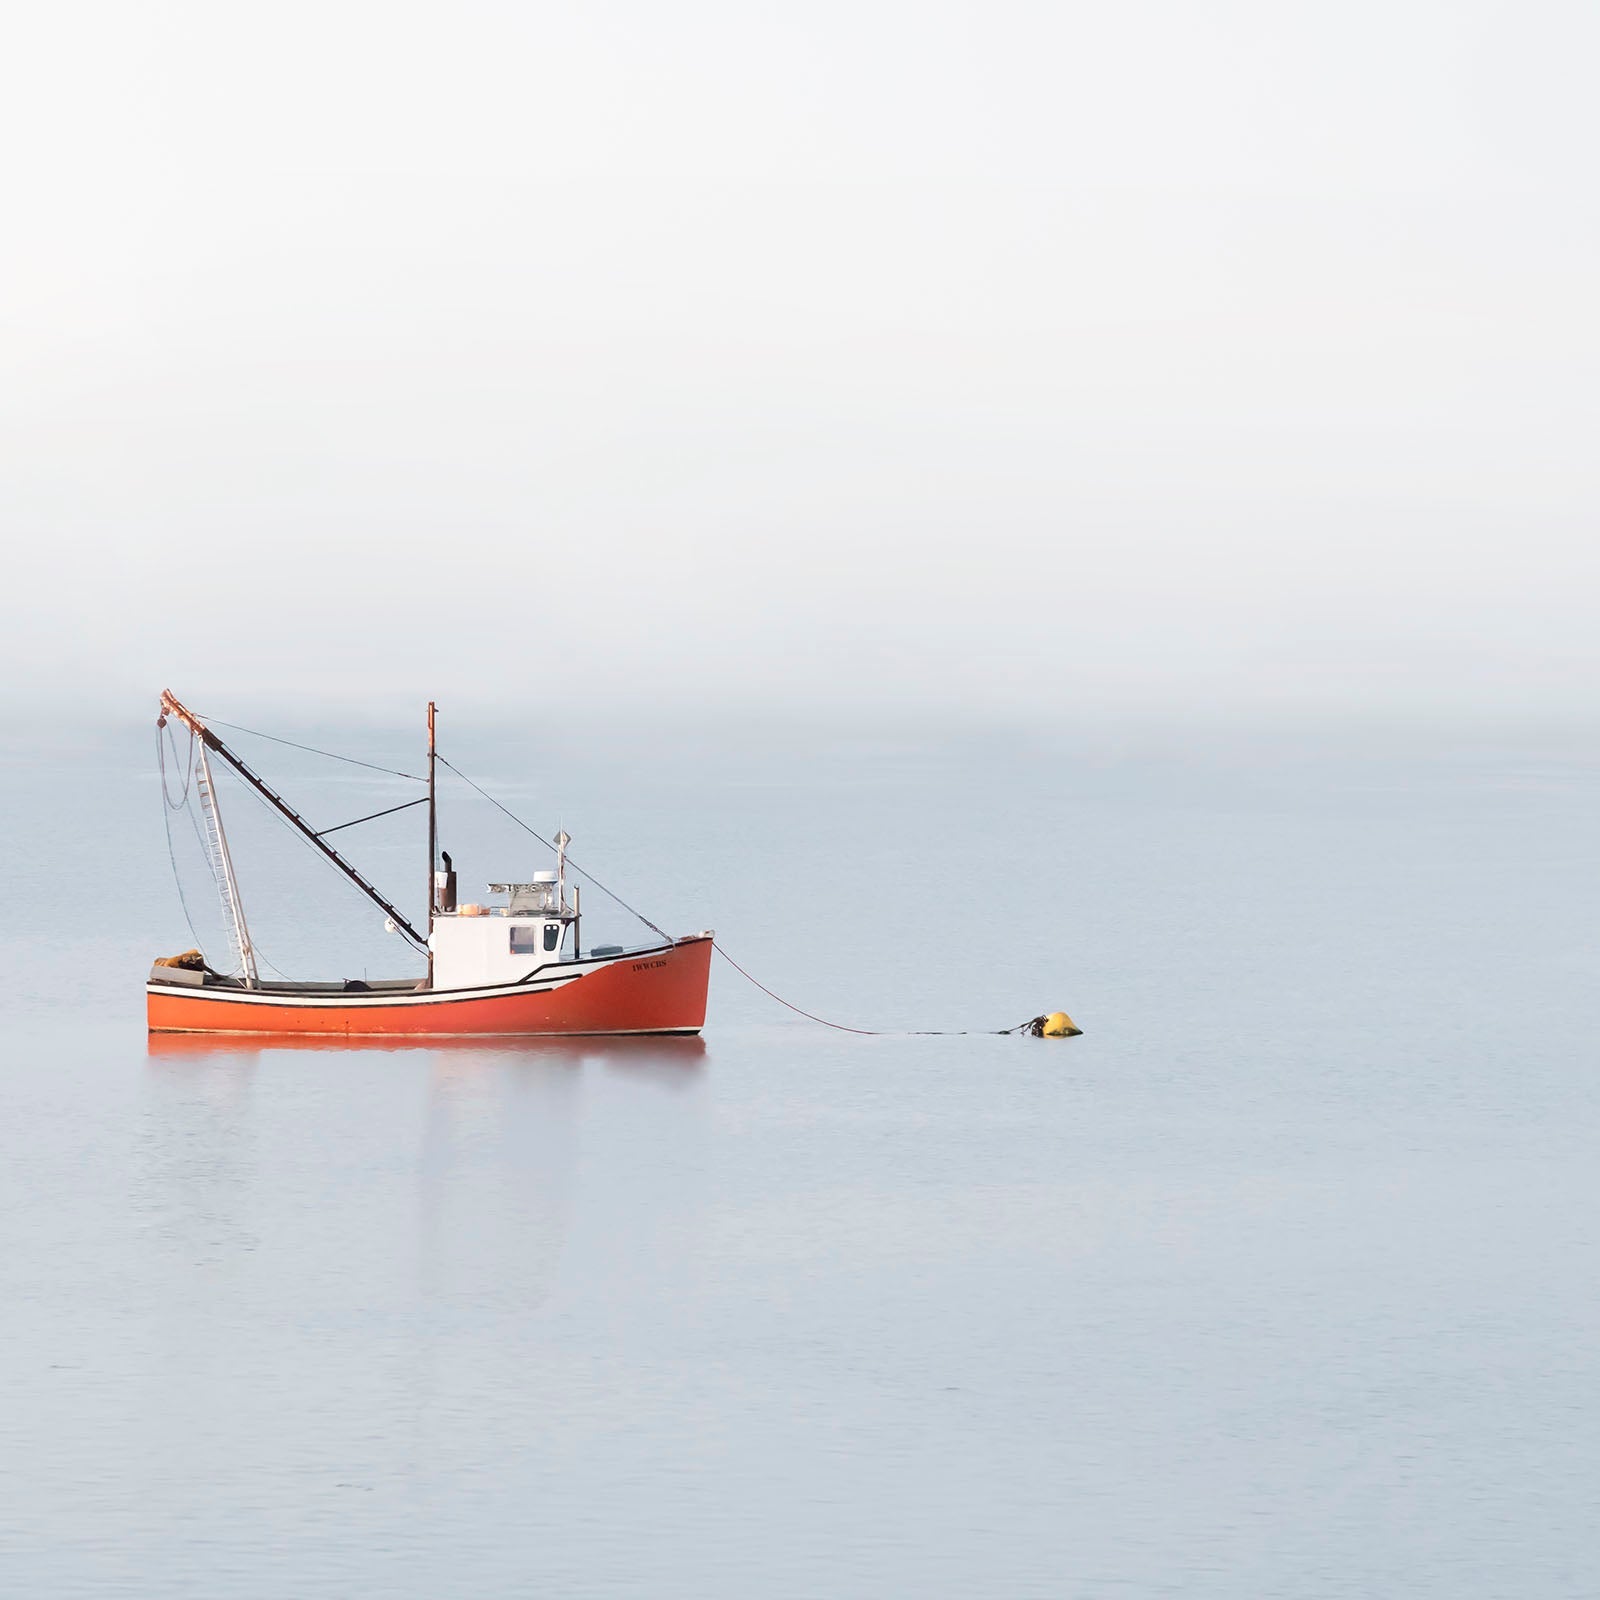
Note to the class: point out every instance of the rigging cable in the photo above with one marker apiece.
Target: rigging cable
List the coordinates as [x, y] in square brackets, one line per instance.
[165, 730]
[412, 777]
[262, 956]
[183, 803]
[294, 832]
[188, 810]
[371, 817]
[660, 933]
[166, 817]
[394, 772]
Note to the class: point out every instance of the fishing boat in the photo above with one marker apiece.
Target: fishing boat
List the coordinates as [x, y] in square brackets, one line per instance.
[505, 968]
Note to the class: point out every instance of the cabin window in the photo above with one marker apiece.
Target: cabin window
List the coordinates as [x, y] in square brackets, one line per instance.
[552, 935]
[523, 940]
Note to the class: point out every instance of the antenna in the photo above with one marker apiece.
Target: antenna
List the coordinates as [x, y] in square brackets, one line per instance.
[433, 839]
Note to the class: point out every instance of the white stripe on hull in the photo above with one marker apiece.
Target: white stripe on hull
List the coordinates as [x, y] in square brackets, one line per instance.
[423, 1038]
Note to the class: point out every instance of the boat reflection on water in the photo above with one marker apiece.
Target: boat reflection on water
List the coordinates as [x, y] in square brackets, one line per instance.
[613, 1050]
[487, 1159]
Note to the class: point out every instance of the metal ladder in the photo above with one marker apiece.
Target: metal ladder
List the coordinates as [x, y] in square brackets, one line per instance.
[222, 870]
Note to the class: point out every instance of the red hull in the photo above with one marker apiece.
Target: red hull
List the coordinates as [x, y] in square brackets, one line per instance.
[645, 991]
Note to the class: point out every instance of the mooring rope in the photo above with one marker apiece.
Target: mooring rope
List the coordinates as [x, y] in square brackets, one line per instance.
[875, 1033]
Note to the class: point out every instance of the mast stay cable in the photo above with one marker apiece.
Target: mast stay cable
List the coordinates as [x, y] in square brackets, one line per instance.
[303, 840]
[659, 932]
[256, 733]
[311, 842]
[372, 816]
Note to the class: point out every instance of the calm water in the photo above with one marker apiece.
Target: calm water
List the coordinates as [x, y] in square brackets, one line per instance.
[1279, 1281]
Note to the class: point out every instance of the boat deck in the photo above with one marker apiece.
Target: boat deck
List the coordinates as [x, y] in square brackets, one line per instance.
[187, 979]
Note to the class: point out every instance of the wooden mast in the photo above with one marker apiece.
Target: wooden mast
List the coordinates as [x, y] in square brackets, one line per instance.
[433, 839]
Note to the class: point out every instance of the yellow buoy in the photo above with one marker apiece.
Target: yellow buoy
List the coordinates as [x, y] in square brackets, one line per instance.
[1058, 1025]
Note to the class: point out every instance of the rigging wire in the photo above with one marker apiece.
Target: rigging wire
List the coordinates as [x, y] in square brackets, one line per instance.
[412, 777]
[188, 810]
[371, 817]
[261, 955]
[183, 805]
[172, 854]
[394, 772]
[165, 730]
[549, 846]
[294, 833]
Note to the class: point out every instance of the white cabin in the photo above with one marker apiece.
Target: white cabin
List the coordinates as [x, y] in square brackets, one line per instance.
[475, 945]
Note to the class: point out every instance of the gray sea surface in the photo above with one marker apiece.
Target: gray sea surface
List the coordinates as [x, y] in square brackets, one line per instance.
[1280, 1281]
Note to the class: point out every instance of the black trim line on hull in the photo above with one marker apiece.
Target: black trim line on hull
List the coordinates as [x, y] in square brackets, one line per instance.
[558, 976]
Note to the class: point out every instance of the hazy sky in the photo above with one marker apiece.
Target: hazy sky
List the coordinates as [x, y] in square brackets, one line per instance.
[974, 358]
